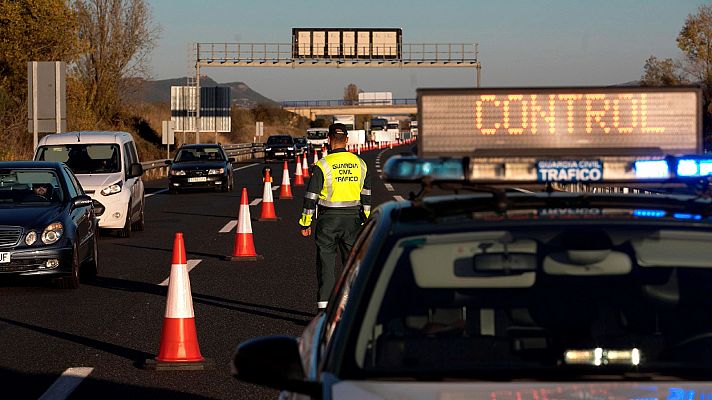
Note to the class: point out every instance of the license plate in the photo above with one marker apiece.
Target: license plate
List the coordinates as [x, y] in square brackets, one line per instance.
[198, 179]
[4, 258]
[279, 153]
[569, 170]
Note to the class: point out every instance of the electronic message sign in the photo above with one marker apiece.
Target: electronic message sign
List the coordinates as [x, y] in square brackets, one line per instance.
[585, 119]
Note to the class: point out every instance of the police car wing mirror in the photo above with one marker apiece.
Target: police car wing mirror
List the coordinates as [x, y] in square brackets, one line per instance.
[231, 160]
[274, 362]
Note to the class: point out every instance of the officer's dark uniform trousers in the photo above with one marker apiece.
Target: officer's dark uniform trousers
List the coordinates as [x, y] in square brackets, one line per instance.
[340, 187]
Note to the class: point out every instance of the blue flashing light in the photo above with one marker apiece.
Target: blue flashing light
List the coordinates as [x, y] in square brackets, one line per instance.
[688, 168]
[651, 169]
[414, 168]
[649, 213]
[695, 217]
[705, 167]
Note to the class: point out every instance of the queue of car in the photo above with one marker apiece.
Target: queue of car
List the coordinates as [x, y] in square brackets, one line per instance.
[566, 255]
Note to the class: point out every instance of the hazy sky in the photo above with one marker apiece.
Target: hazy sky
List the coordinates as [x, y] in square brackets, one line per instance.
[522, 43]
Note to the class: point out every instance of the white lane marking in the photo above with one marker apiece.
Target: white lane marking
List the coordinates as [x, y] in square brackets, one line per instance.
[398, 198]
[379, 170]
[191, 264]
[389, 187]
[66, 383]
[155, 193]
[275, 188]
[245, 166]
[256, 201]
[228, 227]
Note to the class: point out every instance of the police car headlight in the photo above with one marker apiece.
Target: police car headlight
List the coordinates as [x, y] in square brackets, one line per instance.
[113, 189]
[177, 172]
[216, 171]
[52, 233]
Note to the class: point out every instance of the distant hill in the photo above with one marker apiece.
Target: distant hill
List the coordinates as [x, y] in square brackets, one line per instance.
[159, 91]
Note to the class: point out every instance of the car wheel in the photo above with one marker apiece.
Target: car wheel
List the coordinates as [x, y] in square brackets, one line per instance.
[91, 266]
[125, 232]
[71, 281]
[140, 225]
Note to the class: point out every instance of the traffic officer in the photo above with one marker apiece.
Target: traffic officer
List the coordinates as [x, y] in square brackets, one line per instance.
[341, 187]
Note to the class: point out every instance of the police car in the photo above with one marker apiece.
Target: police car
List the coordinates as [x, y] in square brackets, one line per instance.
[557, 262]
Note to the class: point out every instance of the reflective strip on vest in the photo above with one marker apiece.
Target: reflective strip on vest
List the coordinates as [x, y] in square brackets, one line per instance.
[342, 191]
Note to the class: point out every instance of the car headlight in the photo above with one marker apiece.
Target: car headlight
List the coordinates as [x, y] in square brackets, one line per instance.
[52, 233]
[30, 238]
[112, 189]
[216, 171]
[268, 149]
[290, 148]
[178, 172]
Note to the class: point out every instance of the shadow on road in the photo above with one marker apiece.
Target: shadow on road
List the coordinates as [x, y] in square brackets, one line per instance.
[121, 351]
[199, 214]
[233, 305]
[208, 255]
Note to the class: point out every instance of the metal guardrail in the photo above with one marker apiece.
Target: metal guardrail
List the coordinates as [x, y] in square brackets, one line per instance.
[239, 151]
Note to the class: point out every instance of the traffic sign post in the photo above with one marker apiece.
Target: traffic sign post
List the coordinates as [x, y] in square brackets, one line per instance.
[259, 130]
[168, 136]
[46, 89]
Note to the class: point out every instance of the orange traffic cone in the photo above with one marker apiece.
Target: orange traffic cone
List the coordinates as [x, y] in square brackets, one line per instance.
[305, 167]
[316, 157]
[298, 177]
[285, 191]
[324, 152]
[179, 348]
[244, 249]
[268, 213]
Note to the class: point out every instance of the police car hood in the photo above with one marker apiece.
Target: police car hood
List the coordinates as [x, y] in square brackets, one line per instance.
[371, 390]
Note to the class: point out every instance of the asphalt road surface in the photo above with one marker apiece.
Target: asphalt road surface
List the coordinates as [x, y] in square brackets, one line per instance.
[97, 336]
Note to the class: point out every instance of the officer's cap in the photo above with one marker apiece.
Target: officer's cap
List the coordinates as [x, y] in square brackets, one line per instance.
[338, 130]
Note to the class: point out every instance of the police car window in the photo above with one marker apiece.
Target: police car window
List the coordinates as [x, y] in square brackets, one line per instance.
[527, 302]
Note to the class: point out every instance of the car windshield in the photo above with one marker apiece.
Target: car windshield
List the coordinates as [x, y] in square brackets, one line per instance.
[197, 154]
[280, 140]
[530, 303]
[84, 158]
[314, 135]
[300, 140]
[29, 186]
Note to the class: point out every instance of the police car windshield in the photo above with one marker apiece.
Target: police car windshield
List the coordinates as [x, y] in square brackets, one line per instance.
[553, 300]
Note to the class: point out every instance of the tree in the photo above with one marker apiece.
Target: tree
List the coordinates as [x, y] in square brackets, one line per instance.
[661, 73]
[36, 30]
[119, 35]
[695, 41]
[351, 92]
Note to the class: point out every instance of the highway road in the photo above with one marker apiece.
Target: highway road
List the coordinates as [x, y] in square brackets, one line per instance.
[107, 327]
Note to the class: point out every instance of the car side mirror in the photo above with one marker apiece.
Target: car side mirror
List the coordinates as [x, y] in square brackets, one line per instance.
[231, 160]
[169, 162]
[135, 170]
[82, 200]
[274, 362]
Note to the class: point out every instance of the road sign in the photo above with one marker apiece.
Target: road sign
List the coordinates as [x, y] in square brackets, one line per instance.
[259, 128]
[168, 133]
[46, 91]
[625, 120]
[347, 43]
[214, 109]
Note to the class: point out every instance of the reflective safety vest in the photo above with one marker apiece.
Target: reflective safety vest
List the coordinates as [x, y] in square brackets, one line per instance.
[344, 176]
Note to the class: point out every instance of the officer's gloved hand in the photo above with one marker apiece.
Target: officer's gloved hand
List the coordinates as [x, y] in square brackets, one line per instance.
[306, 231]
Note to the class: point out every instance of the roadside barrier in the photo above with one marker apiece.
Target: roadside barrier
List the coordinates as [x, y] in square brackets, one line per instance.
[178, 349]
[244, 249]
[268, 213]
[285, 191]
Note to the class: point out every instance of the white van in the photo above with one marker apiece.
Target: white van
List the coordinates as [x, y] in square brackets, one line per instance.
[107, 166]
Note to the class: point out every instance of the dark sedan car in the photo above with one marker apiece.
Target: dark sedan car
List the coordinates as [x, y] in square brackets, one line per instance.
[280, 147]
[201, 166]
[48, 227]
